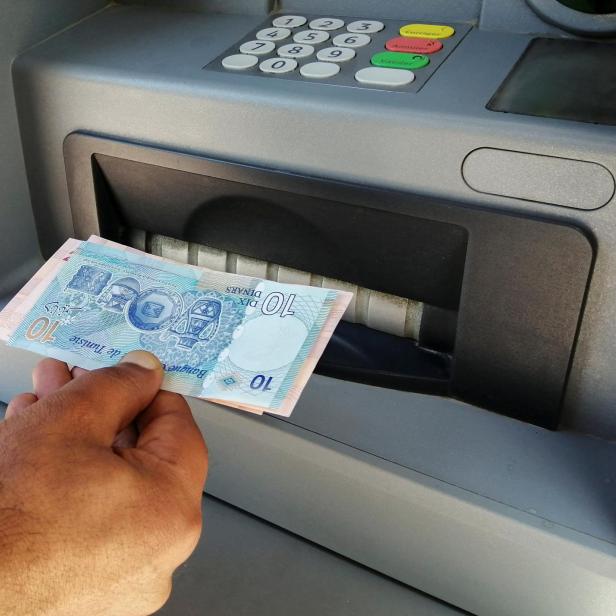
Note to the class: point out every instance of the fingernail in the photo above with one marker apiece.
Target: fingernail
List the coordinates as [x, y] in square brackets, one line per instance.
[142, 358]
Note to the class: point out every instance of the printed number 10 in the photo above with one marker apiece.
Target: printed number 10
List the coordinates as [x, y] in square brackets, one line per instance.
[275, 302]
[42, 328]
[261, 382]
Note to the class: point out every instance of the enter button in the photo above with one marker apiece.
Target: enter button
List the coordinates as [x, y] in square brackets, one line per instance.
[392, 59]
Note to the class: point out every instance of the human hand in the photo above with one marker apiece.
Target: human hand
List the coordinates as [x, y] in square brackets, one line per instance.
[101, 476]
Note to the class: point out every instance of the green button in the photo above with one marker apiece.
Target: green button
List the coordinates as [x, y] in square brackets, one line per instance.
[394, 59]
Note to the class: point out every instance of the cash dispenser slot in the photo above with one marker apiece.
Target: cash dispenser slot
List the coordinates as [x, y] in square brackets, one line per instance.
[501, 296]
[383, 339]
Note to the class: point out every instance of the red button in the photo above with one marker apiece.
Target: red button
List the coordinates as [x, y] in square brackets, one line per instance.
[413, 45]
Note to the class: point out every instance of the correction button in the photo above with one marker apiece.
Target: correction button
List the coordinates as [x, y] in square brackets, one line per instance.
[429, 31]
[239, 62]
[312, 37]
[413, 45]
[273, 34]
[335, 54]
[278, 65]
[295, 50]
[366, 26]
[258, 48]
[326, 23]
[289, 21]
[351, 40]
[319, 70]
[393, 59]
[390, 77]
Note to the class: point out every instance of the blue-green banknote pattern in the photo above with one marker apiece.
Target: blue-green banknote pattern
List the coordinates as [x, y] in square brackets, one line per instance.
[241, 341]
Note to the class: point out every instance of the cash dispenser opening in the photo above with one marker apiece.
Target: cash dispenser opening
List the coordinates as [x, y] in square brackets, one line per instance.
[449, 299]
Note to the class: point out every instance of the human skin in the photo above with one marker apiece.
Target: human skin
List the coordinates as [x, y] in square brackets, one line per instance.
[101, 478]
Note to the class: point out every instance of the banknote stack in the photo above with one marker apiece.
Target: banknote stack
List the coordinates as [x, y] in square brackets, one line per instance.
[243, 342]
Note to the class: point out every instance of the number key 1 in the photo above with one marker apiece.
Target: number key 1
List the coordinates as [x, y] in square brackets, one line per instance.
[289, 21]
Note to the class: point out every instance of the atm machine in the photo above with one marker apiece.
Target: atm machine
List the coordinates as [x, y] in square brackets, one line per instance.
[453, 164]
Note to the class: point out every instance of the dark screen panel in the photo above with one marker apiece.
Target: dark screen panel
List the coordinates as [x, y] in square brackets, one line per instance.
[563, 79]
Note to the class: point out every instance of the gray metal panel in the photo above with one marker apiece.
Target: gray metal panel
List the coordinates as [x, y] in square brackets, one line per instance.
[246, 567]
[454, 10]
[23, 24]
[512, 16]
[157, 93]
[241, 7]
[468, 550]
[488, 513]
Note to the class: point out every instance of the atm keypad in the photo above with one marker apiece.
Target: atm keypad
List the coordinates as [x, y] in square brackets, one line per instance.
[386, 55]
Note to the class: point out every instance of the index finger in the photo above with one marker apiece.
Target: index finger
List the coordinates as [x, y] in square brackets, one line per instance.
[101, 403]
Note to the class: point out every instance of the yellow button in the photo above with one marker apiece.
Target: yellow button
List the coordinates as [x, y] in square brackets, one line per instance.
[428, 31]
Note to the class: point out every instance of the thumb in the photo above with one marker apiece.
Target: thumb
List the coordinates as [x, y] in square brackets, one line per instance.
[103, 402]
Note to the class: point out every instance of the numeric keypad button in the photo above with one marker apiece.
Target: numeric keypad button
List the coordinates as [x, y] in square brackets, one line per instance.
[239, 62]
[312, 37]
[319, 70]
[258, 48]
[335, 54]
[366, 26]
[389, 77]
[295, 50]
[273, 34]
[289, 21]
[351, 40]
[326, 23]
[277, 66]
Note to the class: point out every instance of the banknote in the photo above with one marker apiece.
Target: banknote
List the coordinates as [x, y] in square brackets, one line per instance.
[237, 340]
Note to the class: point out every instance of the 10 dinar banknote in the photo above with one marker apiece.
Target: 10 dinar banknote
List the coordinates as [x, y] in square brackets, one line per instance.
[244, 342]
